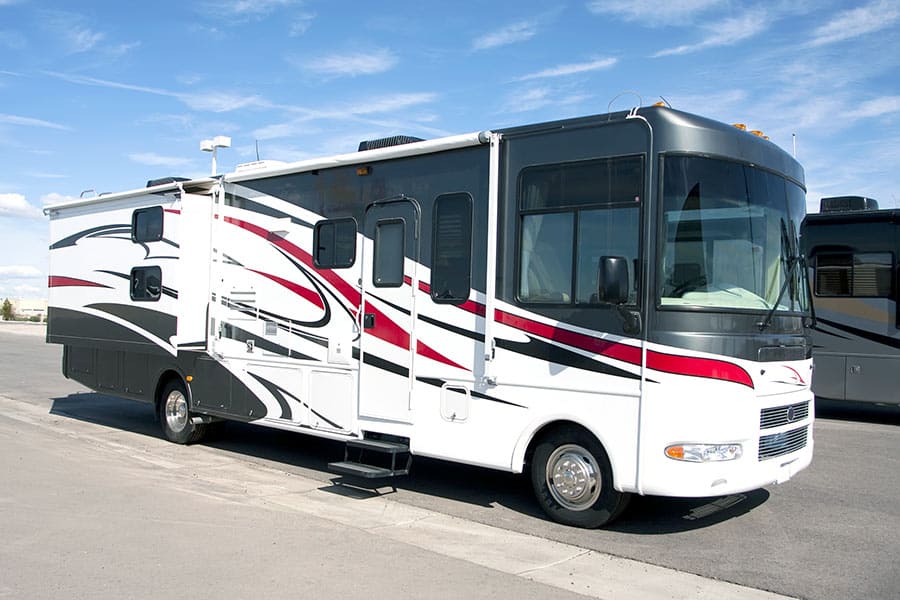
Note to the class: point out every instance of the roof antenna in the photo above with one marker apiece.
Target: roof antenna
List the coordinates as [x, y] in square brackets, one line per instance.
[663, 98]
[794, 139]
[257, 150]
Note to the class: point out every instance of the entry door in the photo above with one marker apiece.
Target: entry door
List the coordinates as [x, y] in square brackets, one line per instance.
[388, 310]
[195, 258]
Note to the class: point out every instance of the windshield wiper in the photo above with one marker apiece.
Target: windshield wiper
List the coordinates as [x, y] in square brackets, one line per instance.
[793, 261]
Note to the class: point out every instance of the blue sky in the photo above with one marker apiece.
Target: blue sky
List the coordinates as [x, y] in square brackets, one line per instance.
[106, 95]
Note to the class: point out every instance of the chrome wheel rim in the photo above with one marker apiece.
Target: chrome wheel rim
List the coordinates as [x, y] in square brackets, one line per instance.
[573, 477]
[176, 411]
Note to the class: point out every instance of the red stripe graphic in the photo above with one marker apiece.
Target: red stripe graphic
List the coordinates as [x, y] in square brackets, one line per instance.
[60, 281]
[301, 291]
[658, 361]
[385, 329]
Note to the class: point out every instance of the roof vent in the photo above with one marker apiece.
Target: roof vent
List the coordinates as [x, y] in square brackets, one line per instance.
[847, 204]
[396, 140]
[165, 180]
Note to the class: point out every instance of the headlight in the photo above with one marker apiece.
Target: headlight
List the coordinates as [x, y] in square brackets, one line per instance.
[704, 452]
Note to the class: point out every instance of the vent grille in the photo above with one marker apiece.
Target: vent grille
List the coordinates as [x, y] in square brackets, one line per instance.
[779, 444]
[783, 415]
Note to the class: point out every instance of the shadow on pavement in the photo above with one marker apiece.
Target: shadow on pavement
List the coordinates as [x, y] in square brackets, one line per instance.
[475, 486]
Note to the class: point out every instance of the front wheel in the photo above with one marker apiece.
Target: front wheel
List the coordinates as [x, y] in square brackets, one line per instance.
[175, 415]
[572, 479]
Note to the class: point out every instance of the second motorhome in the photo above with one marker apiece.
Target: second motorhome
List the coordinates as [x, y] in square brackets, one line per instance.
[613, 304]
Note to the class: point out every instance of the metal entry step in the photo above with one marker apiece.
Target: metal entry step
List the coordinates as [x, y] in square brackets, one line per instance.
[373, 459]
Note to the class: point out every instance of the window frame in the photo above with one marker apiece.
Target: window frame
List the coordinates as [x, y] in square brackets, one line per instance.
[377, 244]
[575, 210]
[146, 297]
[317, 228]
[137, 214]
[436, 241]
[851, 278]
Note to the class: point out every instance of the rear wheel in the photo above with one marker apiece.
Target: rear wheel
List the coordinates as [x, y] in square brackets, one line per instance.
[175, 415]
[572, 479]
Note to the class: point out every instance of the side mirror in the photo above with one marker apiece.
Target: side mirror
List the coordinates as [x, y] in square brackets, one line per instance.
[612, 280]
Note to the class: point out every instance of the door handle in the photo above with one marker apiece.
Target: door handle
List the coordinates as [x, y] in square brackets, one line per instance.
[369, 321]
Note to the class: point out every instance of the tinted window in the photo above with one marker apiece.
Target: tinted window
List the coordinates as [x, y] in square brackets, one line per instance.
[334, 244]
[572, 214]
[389, 252]
[147, 224]
[865, 275]
[451, 254]
[146, 284]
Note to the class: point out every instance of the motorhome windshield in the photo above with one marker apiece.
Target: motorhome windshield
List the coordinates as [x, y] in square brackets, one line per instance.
[730, 237]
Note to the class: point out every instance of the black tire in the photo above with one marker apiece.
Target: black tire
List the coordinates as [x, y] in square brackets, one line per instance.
[175, 415]
[572, 479]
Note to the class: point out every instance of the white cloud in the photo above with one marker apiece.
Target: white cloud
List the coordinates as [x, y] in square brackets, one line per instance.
[853, 23]
[19, 271]
[251, 8]
[45, 175]
[31, 122]
[55, 198]
[571, 69]
[350, 64]
[725, 33]
[156, 160]
[540, 97]
[15, 205]
[653, 12]
[878, 107]
[516, 32]
[202, 101]
[301, 24]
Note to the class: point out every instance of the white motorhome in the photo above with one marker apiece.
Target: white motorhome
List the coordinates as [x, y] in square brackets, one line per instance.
[611, 303]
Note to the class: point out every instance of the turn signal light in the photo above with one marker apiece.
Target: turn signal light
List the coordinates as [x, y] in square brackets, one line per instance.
[701, 453]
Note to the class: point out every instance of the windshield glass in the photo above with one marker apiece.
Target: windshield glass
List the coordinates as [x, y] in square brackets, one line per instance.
[730, 237]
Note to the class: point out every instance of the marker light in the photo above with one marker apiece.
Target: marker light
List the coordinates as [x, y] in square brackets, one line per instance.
[701, 453]
[757, 133]
[740, 126]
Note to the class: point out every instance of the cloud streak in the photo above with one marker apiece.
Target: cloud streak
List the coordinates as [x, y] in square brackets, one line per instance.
[724, 33]
[511, 34]
[31, 122]
[571, 69]
[350, 64]
[652, 12]
[156, 160]
[851, 24]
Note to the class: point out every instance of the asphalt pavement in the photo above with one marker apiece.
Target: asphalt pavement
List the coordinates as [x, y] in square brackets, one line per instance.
[88, 510]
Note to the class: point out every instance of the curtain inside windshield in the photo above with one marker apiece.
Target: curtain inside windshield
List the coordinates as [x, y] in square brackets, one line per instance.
[730, 236]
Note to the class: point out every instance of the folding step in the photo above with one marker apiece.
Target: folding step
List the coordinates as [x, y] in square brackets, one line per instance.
[373, 459]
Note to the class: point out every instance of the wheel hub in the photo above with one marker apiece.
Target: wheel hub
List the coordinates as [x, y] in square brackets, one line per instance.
[176, 411]
[572, 477]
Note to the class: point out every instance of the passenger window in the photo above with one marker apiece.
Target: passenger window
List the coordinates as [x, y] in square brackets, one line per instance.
[390, 247]
[861, 275]
[451, 249]
[146, 284]
[571, 215]
[147, 224]
[334, 243]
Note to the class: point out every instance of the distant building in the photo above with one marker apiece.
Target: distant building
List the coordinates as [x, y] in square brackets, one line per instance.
[26, 308]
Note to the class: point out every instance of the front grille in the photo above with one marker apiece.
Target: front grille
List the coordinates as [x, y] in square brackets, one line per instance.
[779, 444]
[783, 415]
